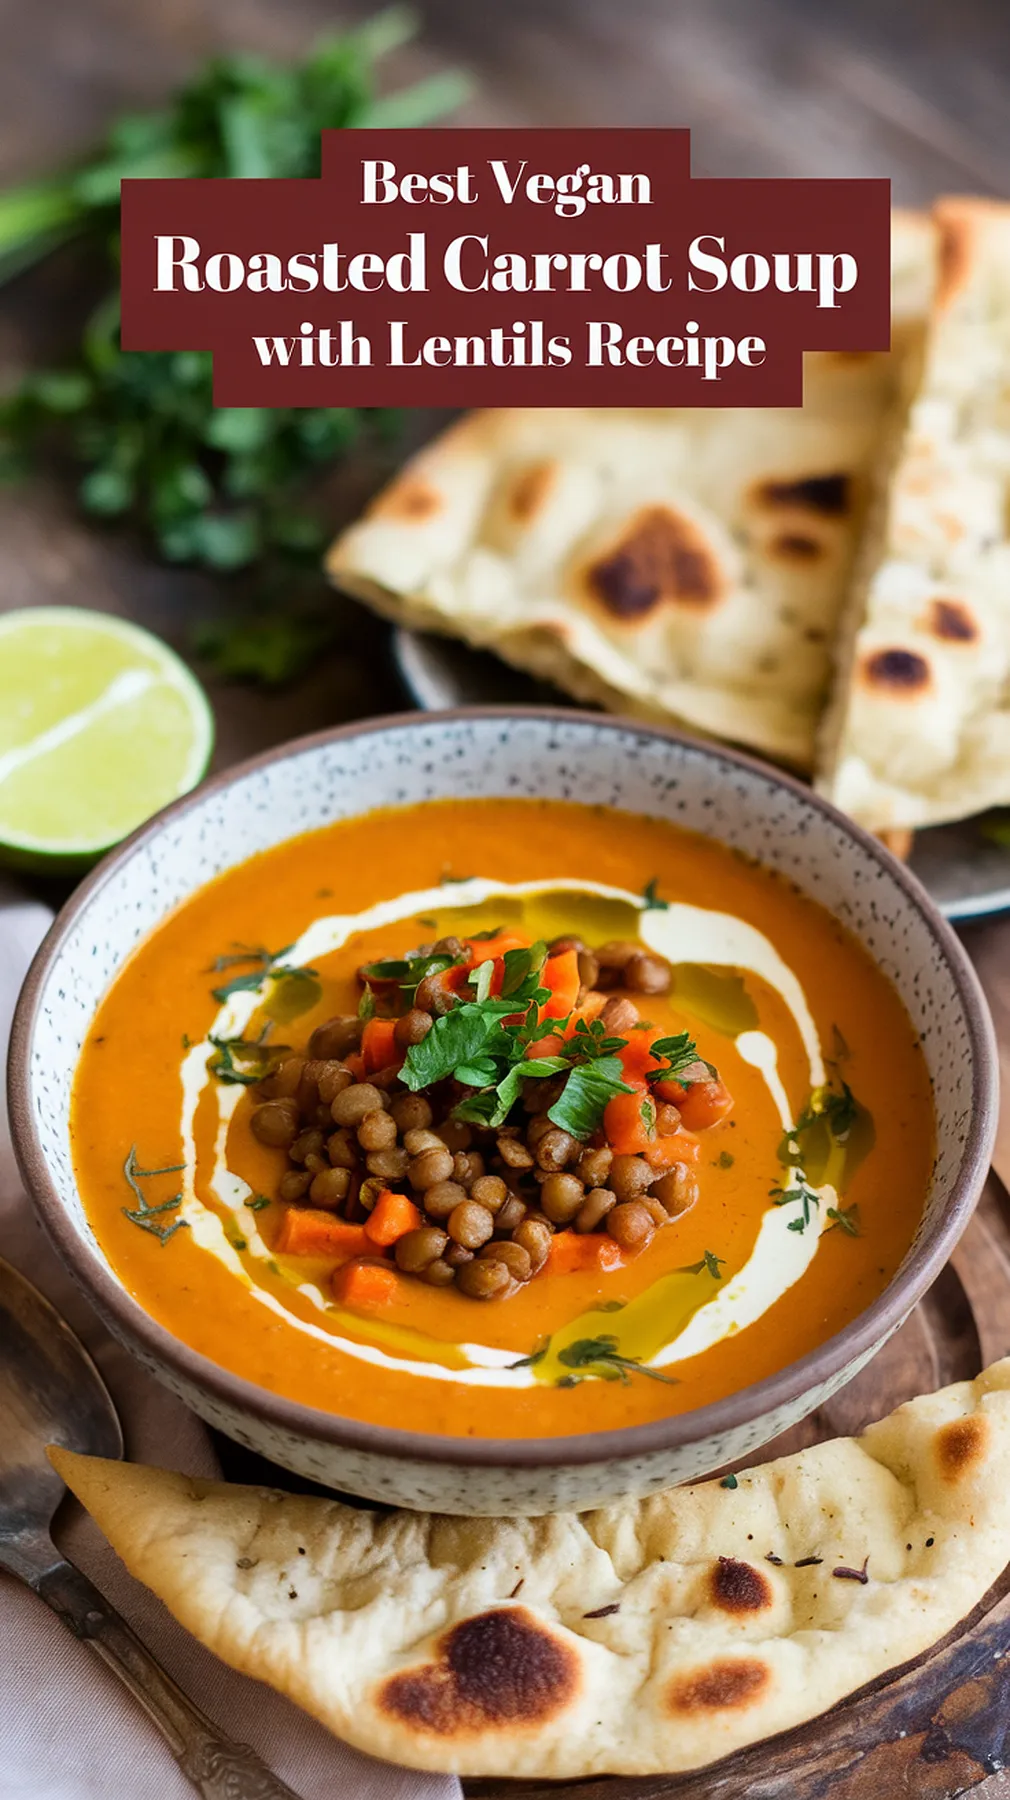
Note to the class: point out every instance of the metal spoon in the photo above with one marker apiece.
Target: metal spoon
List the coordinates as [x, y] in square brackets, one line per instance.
[51, 1393]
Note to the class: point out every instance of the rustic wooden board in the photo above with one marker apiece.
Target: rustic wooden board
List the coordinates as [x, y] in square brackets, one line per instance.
[941, 1726]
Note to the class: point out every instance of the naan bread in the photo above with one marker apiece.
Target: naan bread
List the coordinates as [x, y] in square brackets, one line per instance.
[654, 1636]
[920, 727]
[682, 564]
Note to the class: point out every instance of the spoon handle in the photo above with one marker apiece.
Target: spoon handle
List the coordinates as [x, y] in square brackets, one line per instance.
[218, 1768]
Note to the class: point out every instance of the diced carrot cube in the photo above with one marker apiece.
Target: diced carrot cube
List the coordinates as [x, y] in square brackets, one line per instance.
[379, 1047]
[356, 1063]
[704, 1104]
[306, 1231]
[673, 1091]
[488, 949]
[581, 1253]
[392, 1216]
[560, 974]
[637, 1057]
[365, 1285]
[629, 1122]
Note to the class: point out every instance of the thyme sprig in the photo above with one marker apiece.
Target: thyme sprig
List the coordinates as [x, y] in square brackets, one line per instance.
[846, 1218]
[600, 1356]
[152, 1218]
[800, 1192]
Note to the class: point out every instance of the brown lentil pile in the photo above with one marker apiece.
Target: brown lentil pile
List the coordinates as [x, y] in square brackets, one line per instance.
[490, 1200]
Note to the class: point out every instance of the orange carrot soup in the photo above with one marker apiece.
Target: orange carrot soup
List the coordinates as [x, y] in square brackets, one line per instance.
[502, 1118]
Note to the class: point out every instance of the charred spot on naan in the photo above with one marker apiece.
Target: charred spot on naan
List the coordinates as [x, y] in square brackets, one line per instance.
[501, 1668]
[829, 496]
[728, 1684]
[952, 621]
[530, 490]
[960, 1446]
[411, 498]
[795, 547]
[662, 558]
[896, 673]
[954, 252]
[737, 1587]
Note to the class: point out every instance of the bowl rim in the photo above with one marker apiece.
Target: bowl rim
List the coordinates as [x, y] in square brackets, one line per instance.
[854, 1342]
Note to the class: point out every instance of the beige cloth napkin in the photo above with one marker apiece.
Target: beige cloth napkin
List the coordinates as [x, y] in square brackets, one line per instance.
[68, 1730]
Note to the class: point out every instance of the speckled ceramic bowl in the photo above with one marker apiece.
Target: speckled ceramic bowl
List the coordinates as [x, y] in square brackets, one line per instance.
[563, 755]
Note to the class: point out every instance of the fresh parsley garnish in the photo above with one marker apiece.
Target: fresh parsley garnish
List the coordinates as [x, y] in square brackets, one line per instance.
[256, 1202]
[680, 1053]
[725, 1160]
[585, 1095]
[714, 1265]
[226, 488]
[483, 1043]
[846, 1218]
[651, 901]
[600, 1356]
[152, 1218]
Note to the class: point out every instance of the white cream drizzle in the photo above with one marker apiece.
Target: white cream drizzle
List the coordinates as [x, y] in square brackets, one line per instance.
[680, 933]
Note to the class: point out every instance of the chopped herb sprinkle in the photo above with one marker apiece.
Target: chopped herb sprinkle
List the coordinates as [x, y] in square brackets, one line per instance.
[729, 1481]
[152, 1218]
[844, 1574]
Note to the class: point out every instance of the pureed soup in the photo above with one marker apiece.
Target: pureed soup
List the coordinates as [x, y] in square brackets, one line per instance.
[502, 1118]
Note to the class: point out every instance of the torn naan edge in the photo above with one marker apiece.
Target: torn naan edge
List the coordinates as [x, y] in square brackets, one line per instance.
[684, 564]
[654, 1636]
[919, 728]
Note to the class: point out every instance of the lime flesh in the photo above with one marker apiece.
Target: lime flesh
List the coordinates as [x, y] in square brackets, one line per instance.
[100, 726]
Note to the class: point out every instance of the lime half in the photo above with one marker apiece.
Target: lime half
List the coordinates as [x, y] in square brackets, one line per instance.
[100, 725]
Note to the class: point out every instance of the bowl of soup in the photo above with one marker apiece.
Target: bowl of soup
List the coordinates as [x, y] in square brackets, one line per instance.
[502, 1111]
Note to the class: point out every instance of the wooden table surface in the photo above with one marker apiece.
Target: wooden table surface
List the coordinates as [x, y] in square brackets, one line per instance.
[917, 90]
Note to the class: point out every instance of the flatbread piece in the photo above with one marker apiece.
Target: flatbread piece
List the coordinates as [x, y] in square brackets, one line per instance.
[654, 1636]
[919, 729]
[685, 565]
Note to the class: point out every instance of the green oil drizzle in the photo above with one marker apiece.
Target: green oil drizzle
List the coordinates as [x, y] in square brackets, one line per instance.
[715, 997]
[641, 1327]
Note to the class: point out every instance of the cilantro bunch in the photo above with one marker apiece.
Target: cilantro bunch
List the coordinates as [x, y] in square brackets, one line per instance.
[223, 489]
[483, 1043]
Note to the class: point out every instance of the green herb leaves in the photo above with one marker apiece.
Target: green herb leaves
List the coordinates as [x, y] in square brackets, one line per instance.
[242, 1062]
[802, 1194]
[651, 901]
[680, 1054]
[585, 1095]
[711, 1263]
[457, 1040]
[152, 1218]
[267, 965]
[846, 1218]
[831, 1136]
[600, 1356]
[221, 488]
[483, 1043]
